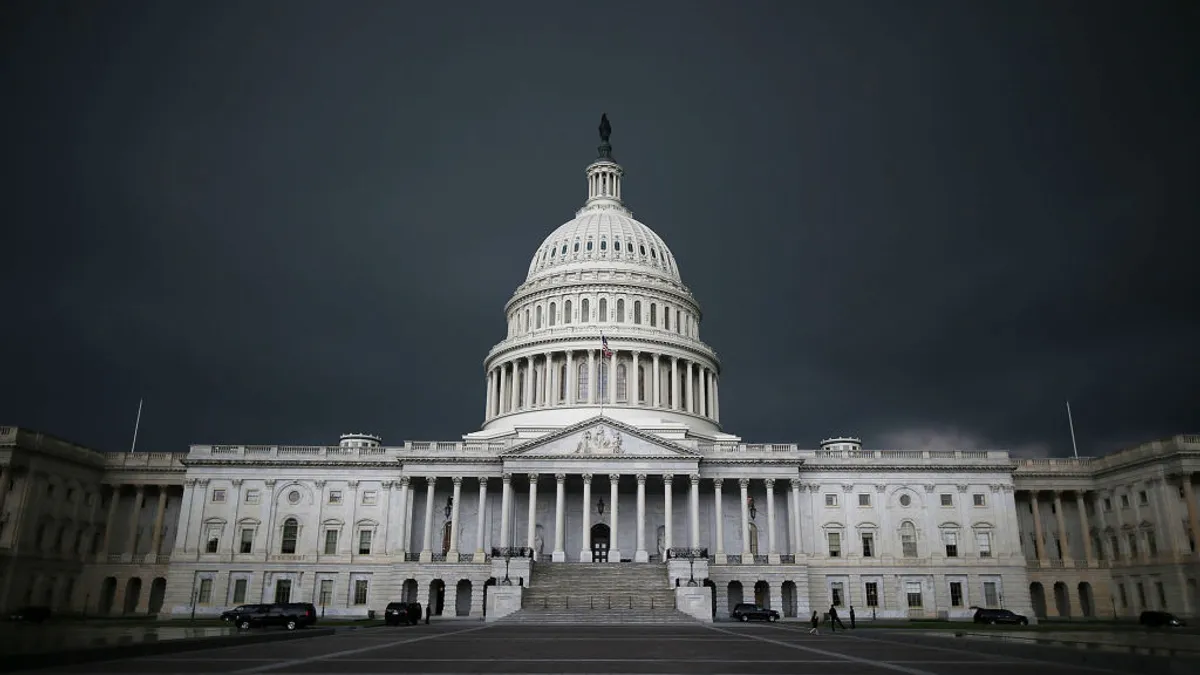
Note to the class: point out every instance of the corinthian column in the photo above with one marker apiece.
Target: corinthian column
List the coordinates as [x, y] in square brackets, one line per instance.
[657, 387]
[585, 554]
[614, 550]
[744, 484]
[560, 505]
[480, 556]
[771, 550]
[427, 544]
[719, 544]
[531, 532]
[452, 553]
[640, 554]
[505, 508]
[668, 514]
[695, 510]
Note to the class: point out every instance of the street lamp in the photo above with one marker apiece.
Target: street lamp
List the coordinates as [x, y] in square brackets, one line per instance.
[753, 511]
[692, 567]
[600, 506]
[449, 506]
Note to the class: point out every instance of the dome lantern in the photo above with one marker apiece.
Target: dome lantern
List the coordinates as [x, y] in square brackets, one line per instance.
[604, 175]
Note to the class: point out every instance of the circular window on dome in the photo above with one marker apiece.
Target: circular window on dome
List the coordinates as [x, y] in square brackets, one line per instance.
[577, 247]
[905, 500]
[294, 497]
[589, 245]
[643, 248]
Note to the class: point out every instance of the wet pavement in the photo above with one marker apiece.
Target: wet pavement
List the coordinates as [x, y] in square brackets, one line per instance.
[57, 637]
[1127, 641]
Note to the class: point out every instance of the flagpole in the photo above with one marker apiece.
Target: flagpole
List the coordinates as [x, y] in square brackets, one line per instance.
[1071, 422]
[136, 424]
[602, 357]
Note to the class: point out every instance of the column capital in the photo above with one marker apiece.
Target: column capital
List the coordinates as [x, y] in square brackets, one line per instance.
[587, 479]
[404, 480]
[483, 481]
[456, 480]
[533, 479]
[718, 484]
[187, 482]
[387, 484]
[962, 487]
[506, 477]
[202, 482]
[743, 483]
[270, 484]
[641, 478]
[636, 353]
[694, 479]
[431, 481]
[771, 483]
[141, 487]
[237, 482]
[320, 483]
[795, 483]
[614, 477]
[668, 478]
[560, 477]
[352, 484]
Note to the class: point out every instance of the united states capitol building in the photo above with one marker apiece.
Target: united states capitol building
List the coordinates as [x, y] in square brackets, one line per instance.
[601, 444]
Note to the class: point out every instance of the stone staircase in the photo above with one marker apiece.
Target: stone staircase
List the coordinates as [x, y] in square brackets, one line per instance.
[598, 593]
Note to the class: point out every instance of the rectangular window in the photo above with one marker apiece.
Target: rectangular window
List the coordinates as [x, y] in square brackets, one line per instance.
[331, 537]
[364, 542]
[912, 590]
[868, 545]
[908, 544]
[283, 591]
[990, 596]
[1162, 595]
[1107, 504]
[1143, 498]
[1124, 597]
[983, 542]
[1151, 544]
[947, 500]
[872, 592]
[326, 596]
[864, 499]
[214, 539]
[956, 599]
[1124, 501]
[239, 591]
[1133, 547]
[252, 496]
[335, 496]
[951, 541]
[835, 592]
[369, 497]
[204, 593]
[1116, 547]
[218, 495]
[979, 499]
[247, 545]
[830, 500]
[360, 591]
[1141, 591]
[835, 544]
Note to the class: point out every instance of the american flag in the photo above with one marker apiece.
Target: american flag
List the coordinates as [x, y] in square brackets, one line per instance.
[604, 350]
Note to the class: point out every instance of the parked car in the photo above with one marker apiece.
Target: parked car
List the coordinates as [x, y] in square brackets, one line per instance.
[35, 614]
[290, 615]
[230, 615]
[402, 613]
[745, 611]
[994, 616]
[1152, 619]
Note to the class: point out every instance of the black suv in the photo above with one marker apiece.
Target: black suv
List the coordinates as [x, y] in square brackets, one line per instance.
[230, 615]
[983, 615]
[745, 611]
[290, 615]
[1152, 619]
[31, 614]
[400, 613]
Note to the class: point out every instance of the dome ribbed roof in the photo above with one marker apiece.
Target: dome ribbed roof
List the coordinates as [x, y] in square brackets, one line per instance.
[605, 237]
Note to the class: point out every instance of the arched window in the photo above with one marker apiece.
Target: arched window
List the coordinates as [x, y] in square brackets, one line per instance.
[585, 310]
[637, 311]
[538, 314]
[576, 247]
[291, 529]
[581, 380]
[603, 244]
[667, 318]
[616, 245]
[562, 383]
[521, 389]
[653, 315]
[589, 244]
[677, 322]
[620, 310]
[603, 309]
[908, 539]
[622, 396]
[567, 312]
[527, 324]
[641, 384]
[553, 311]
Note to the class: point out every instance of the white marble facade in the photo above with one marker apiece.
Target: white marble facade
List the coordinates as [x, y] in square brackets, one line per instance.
[602, 414]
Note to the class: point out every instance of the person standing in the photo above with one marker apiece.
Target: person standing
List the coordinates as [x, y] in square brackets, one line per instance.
[834, 620]
[852, 616]
[428, 612]
[816, 623]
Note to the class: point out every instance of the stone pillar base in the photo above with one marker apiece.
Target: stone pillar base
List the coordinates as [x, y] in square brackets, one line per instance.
[585, 556]
[452, 555]
[426, 556]
[641, 556]
[773, 558]
[747, 558]
[720, 559]
[480, 557]
[558, 556]
[614, 555]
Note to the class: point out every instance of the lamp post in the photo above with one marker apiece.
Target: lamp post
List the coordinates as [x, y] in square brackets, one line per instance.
[691, 567]
[449, 507]
[753, 511]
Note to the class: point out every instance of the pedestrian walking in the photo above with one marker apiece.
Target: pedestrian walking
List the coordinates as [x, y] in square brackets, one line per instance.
[428, 612]
[816, 623]
[834, 620]
[852, 616]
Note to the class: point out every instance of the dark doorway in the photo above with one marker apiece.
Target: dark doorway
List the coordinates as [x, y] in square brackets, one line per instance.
[712, 588]
[437, 596]
[283, 590]
[600, 542]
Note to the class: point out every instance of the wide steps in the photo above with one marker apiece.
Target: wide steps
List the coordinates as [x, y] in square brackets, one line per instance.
[536, 616]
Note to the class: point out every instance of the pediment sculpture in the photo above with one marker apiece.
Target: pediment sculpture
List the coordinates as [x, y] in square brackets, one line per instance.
[600, 443]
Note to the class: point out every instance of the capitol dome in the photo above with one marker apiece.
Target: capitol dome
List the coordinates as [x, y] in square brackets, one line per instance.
[602, 325]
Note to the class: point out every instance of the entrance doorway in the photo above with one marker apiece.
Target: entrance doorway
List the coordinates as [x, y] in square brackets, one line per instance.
[600, 542]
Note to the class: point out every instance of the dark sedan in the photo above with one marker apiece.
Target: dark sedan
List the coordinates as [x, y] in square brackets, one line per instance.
[746, 611]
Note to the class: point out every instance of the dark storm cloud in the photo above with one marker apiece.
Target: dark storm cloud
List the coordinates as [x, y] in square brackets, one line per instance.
[284, 221]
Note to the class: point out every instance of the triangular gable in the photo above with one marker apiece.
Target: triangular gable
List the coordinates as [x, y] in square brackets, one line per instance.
[599, 437]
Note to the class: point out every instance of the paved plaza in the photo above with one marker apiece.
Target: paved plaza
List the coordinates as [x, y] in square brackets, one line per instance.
[744, 649]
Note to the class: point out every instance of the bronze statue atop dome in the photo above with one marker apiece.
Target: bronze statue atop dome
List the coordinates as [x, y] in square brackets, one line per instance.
[605, 128]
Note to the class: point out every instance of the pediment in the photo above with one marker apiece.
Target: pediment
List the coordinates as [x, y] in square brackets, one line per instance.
[600, 438]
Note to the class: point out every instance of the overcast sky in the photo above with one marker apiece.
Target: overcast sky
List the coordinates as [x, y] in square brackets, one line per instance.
[915, 222]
